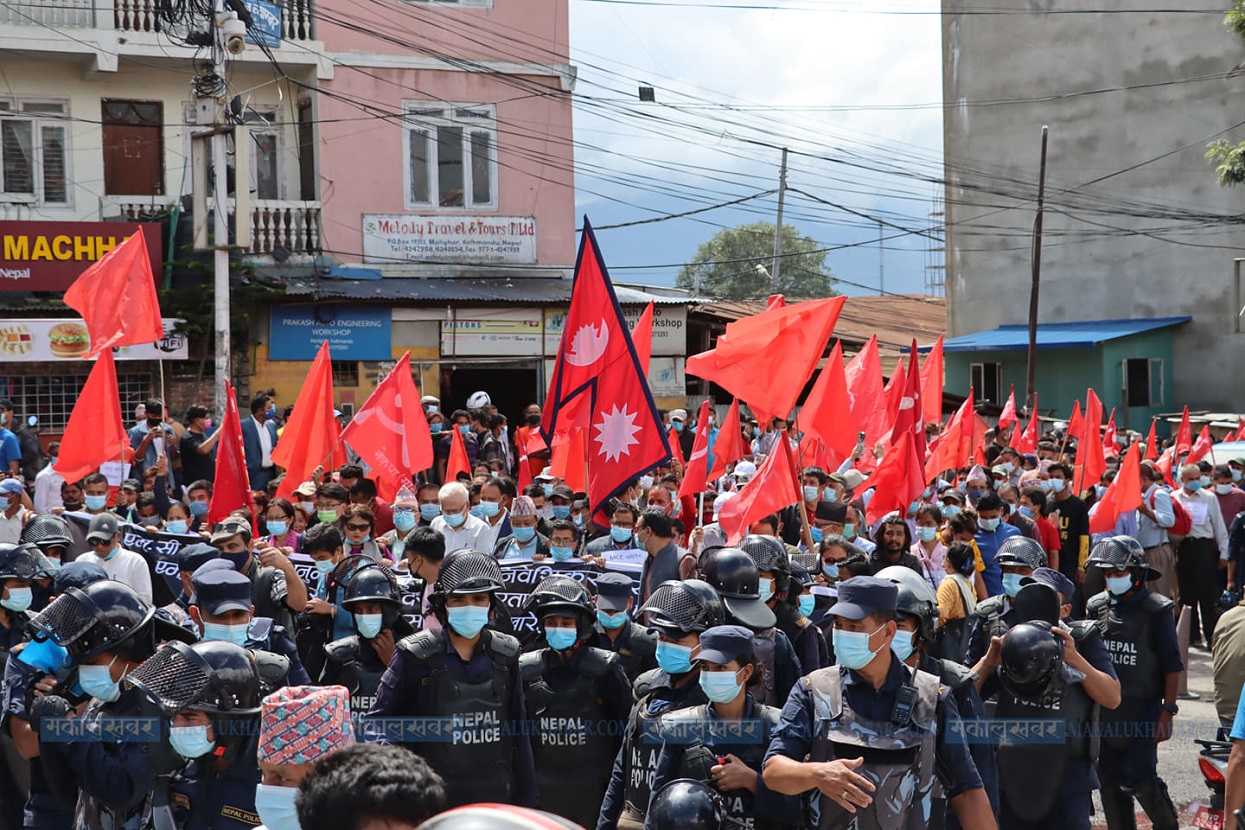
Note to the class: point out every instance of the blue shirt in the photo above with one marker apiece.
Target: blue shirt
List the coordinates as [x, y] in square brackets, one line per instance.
[10, 450]
[988, 543]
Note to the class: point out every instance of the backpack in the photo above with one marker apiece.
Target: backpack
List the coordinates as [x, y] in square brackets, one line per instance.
[1183, 524]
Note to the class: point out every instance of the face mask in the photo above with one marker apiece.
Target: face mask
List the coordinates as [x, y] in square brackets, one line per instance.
[278, 528]
[454, 519]
[904, 644]
[149, 521]
[1205, 481]
[1009, 466]
[927, 534]
[73, 506]
[548, 489]
[950, 510]
[110, 555]
[851, 648]
[561, 511]
[620, 534]
[238, 560]
[198, 509]
[433, 410]
[428, 512]
[673, 658]
[611, 621]
[810, 494]
[19, 599]
[719, 686]
[561, 554]
[767, 589]
[1027, 512]
[578, 519]
[363, 541]
[1193, 486]
[756, 432]
[404, 520]
[275, 806]
[325, 566]
[1045, 485]
[308, 507]
[190, 741]
[1057, 485]
[806, 604]
[990, 525]
[435, 429]
[476, 511]
[55, 562]
[235, 634]
[973, 495]
[1236, 476]
[1099, 490]
[44, 655]
[368, 625]
[95, 502]
[524, 534]
[1119, 585]
[677, 426]
[831, 571]
[465, 429]
[1223, 489]
[467, 620]
[1011, 584]
[328, 517]
[489, 509]
[646, 482]
[560, 639]
[849, 532]
[181, 526]
[817, 533]
[97, 682]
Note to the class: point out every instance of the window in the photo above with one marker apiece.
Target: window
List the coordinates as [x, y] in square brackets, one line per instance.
[33, 152]
[133, 148]
[987, 380]
[345, 373]
[53, 398]
[265, 154]
[1143, 381]
[451, 158]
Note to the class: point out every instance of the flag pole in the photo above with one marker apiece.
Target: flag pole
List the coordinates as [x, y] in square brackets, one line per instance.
[806, 532]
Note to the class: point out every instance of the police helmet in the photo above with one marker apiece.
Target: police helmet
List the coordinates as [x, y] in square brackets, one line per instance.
[1116, 553]
[678, 608]
[769, 555]
[1031, 658]
[687, 804]
[734, 575]
[465, 572]
[916, 598]
[18, 562]
[561, 594]
[105, 616]
[213, 676]
[497, 817]
[1021, 551]
[45, 531]
[374, 583]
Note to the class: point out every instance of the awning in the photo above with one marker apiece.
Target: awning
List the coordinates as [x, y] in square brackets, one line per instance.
[1087, 334]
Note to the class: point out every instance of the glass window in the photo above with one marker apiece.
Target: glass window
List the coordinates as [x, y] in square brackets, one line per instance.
[451, 157]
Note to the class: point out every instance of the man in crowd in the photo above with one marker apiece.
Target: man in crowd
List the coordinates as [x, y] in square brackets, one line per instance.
[103, 535]
[259, 438]
[461, 530]
[153, 438]
[198, 449]
[1203, 552]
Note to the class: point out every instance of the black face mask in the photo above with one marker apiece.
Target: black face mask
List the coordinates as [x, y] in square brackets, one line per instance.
[73, 505]
[152, 424]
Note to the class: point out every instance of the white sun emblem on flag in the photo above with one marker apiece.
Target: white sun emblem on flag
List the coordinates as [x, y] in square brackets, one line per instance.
[616, 433]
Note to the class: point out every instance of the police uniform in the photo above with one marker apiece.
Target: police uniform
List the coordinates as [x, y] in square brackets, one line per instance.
[992, 618]
[807, 641]
[353, 663]
[204, 799]
[42, 811]
[635, 645]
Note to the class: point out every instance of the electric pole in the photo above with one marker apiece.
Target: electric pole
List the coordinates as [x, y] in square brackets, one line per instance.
[1031, 374]
[220, 241]
[782, 191]
[881, 263]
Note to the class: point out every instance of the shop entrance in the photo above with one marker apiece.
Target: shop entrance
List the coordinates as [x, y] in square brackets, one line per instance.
[511, 388]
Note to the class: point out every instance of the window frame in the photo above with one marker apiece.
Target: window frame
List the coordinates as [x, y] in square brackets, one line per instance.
[980, 368]
[265, 120]
[425, 118]
[39, 121]
[1154, 370]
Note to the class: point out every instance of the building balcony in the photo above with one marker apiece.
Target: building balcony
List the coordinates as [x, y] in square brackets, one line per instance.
[297, 18]
[279, 228]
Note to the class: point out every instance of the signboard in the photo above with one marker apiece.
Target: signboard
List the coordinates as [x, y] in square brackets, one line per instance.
[666, 378]
[265, 28]
[492, 337]
[354, 332]
[49, 256]
[468, 239]
[33, 341]
[669, 327]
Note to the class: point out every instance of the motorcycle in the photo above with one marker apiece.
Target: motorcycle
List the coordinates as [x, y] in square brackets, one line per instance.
[1213, 763]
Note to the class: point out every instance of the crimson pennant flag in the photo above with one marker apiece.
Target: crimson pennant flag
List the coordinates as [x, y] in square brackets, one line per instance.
[780, 345]
[826, 419]
[1201, 447]
[117, 299]
[231, 488]
[909, 416]
[459, 462]
[1121, 496]
[597, 359]
[1110, 448]
[897, 480]
[980, 427]
[1152, 446]
[1240, 430]
[1027, 441]
[568, 457]
[775, 301]
[390, 431]
[642, 336]
[696, 473]
[896, 385]
[931, 385]
[1008, 416]
[770, 490]
[1090, 461]
[95, 433]
[1184, 436]
[533, 444]
[1076, 424]
[311, 434]
[866, 398]
[729, 447]
[955, 443]
[1165, 464]
[676, 449]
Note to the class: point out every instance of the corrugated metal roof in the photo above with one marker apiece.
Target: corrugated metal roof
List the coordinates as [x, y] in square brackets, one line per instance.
[1086, 334]
[464, 289]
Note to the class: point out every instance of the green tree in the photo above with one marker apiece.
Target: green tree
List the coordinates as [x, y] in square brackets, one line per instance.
[736, 261]
[1229, 158]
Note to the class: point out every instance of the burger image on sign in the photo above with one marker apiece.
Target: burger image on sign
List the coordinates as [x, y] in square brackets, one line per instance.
[69, 339]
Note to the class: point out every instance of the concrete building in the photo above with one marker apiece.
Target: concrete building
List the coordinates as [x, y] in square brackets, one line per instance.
[1136, 226]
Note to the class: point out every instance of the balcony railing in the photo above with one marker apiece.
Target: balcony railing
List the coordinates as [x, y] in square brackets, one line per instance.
[278, 226]
[297, 16]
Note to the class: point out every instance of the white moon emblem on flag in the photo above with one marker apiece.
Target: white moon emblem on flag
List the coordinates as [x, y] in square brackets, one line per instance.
[616, 433]
[588, 344]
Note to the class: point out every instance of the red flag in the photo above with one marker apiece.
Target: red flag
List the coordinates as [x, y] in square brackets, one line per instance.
[865, 394]
[1110, 448]
[954, 447]
[116, 297]
[1076, 424]
[696, 473]
[781, 345]
[1165, 464]
[980, 427]
[1008, 416]
[568, 458]
[829, 428]
[1090, 461]
[676, 449]
[775, 301]
[1122, 495]
[1184, 437]
[310, 435]
[1240, 430]
[897, 480]
[390, 431]
[770, 490]
[909, 417]
[729, 447]
[1028, 440]
[1152, 445]
[931, 385]
[231, 487]
[642, 336]
[533, 443]
[896, 385]
[597, 359]
[459, 461]
[95, 433]
[1201, 447]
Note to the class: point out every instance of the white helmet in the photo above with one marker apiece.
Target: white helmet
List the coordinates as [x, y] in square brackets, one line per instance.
[479, 400]
[744, 470]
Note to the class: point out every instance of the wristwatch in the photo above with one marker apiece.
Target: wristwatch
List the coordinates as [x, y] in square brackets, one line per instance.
[1171, 708]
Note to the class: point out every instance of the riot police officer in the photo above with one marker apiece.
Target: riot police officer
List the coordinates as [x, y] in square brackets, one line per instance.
[51, 536]
[781, 594]
[221, 609]
[678, 612]
[615, 631]
[357, 662]
[578, 699]
[470, 674]
[734, 575]
[189, 560]
[1018, 557]
[1140, 635]
[873, 730]
[18, 567]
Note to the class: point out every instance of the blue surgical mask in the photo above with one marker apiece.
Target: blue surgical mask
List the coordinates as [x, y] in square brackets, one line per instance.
[278, 528]
[476, 511]
[235, 634]
[973, 495]
[851, 648]
[19, 599]
[1236, 476]
[368, 625]
[44, 655]
[275, 806]
[673, 658]
[428, 512]
[547, 488]
[524, 534]
[904, 644]
[489, 509]
[990, 525]
[198, 509]
[181, 526]
[926, 533]
[404, 520]
[436, 428]
[325, 566]
[720, 686]
[454, 519]
[767, 589]
[467, 620]
[1119, 585]
[817, 533]
[1205, 481]
[190, 741]
[561, 511]
[1026, 511]
[1057, 485]
[1008, 466]
[849, 531]
[1045, 485]
[806, 604]
[560, 639]
[1223, 489]
[831, 571]
[677, 426]
[611, 621]
[578, 519]
[465, 429]
[949, 510]
[110, 555]
[1011, 584]
[561, 554]
[1193, 486]
[97, 682]
[620, 534]
[756, 432]
[95, 502]
[810, 494]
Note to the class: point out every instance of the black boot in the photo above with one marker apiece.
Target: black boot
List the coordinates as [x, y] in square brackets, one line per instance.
[1158, 805]
[1117, 808]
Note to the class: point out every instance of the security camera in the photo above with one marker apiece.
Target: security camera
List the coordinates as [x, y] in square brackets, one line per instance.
[234, 32]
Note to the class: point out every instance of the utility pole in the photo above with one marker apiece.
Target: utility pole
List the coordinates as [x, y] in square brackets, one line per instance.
[881, 263]
[220, 241]
[782, 191]
[1031, 376]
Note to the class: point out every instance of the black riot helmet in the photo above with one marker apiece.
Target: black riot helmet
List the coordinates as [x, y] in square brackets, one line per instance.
[18, 562]
[560, 594]
[1031, 658]
[1117, 552]
[1022, 551]
[465, 572]
[686, 804]
[916, 598]
[734, 575]
[769, 554]
[678, 608]
[374, 583]
[105, 616]
[45, 531]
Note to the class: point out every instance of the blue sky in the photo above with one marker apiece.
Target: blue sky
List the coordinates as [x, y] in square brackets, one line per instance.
[853, 88]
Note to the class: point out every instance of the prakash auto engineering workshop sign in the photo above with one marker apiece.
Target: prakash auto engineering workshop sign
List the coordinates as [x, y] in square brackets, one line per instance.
[354, 332]
[475, 239]
[49, 256]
